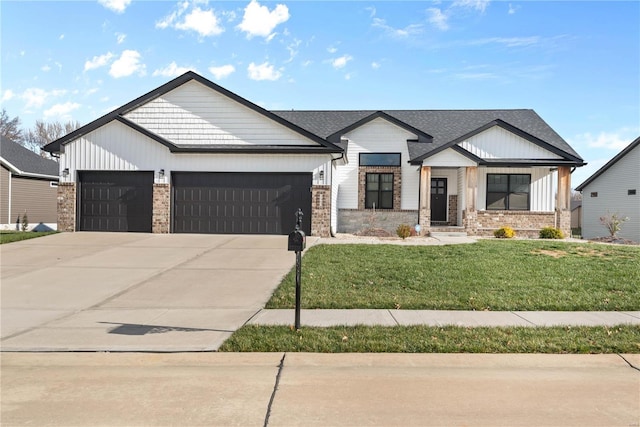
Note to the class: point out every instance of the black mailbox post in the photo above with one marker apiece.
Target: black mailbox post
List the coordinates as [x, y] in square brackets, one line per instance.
[297, 243]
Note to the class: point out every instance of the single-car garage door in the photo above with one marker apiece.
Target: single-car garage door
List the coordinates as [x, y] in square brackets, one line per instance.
[240, 203]
[115, 201]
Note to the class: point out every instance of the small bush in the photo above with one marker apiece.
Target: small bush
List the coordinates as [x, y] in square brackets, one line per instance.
[551, 233]
[504, 233]
[403, 231]
[25, 222]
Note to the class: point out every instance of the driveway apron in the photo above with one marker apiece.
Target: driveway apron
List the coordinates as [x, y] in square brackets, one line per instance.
[135, 292]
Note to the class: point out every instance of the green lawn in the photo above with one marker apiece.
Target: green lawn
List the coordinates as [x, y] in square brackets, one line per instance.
[16, 236]
[487, 275]
[424, 339]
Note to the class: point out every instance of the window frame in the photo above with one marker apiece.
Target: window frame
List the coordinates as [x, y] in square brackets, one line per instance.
[508, 193]
[379, 191]
[360, 162]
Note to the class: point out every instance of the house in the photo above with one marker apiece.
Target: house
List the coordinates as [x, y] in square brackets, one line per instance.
[614, 188]
[193, 157]
[576, 214]
[28, 185]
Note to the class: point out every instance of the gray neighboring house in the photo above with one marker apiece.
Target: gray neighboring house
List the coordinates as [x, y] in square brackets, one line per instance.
[28, 184]
[193, 157]
[614, 188]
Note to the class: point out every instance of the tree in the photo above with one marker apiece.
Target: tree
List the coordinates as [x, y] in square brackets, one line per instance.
[10, 128]
[43, 133]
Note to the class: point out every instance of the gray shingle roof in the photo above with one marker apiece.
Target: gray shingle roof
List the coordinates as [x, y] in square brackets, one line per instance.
[444, 125]
[26, 160]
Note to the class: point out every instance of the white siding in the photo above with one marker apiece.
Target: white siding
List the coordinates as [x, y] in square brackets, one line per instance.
[498, 143]
[542, 191]
[195, 114]
[448, 158]
[452, 179]
[377, 136]
[118, 147]
[612, 188]
[462, 192]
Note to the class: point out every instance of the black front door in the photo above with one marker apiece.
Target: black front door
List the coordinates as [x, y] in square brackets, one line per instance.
[439, 199]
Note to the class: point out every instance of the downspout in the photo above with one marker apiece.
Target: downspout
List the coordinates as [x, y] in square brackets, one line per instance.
[9, 220]
[332, 232]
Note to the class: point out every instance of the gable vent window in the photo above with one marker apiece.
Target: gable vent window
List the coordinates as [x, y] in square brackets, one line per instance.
[631, 192]
[594, 194]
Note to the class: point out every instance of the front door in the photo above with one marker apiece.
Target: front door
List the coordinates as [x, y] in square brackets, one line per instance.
[439, 199]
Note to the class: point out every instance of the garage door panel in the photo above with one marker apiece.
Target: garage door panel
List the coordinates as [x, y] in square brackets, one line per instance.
[116, 201]
[239, 203]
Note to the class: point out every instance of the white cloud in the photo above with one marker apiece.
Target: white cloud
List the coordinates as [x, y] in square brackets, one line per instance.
[171, 70]
[127, 64]
[293, 49]
[509, 41]
[204, 22]
[375, 65]
[341, 61]
[512, 9]
[120, 37]
[332, 49]
[36, 97]
[222, 71]
[259, 21]
[610, 140]
[307, 63]
[98, 61]
[117, 6]
[46, 68]
[61, 37]
[407, 31]
[438, 18]
[479, 5]
[61, 110]
[7, 95]
[264, 71]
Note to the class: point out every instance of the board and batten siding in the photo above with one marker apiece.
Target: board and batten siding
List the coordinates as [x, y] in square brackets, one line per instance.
[35, 197]
[196, 114]
[542, 190]
[498, 143]
[448, 158]
[377, 136]
[115, 146]
[5, 203]
[613, 187]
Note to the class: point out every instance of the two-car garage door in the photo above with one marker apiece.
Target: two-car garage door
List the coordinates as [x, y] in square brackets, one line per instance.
[202, 202]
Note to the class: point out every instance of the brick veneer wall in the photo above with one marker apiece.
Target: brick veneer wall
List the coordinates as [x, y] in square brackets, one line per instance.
[525, 224]
[397, 183]
[563, 221]
[321, 210]
[67, 206]
[161, 208]
[355, 220]
[453, 209]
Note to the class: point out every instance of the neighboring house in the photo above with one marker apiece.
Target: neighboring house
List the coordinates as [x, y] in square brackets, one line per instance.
[614, 188]
[28, 184]
[576, 213]
[192, 157]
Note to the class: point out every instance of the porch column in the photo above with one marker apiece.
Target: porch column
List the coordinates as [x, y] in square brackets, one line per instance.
[563, 202]
[424, 215]
[470, 215]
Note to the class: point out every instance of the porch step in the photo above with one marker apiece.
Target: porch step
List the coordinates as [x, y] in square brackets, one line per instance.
[447, 232]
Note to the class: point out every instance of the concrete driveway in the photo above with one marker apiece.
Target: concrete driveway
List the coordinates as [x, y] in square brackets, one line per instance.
[135, 292]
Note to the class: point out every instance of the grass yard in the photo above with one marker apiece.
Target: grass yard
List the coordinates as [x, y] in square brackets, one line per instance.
[16, 236]
[424, 339]
[487, 275]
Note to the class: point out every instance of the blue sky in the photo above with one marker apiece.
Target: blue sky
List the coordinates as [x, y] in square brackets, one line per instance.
[576, 63]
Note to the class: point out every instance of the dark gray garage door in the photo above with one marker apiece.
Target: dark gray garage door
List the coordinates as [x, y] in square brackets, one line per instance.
[115, 201]
[240, 203]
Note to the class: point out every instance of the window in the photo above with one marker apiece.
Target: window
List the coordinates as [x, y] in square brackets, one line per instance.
[379, 159]
[631, 192]
[508, 192]
[379, 191]
[594, 194]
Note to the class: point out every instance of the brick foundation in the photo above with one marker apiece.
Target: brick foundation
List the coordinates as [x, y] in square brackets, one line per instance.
[67, 206]
[321, 210]
[355, 221]
[524, 223]
[161, 208]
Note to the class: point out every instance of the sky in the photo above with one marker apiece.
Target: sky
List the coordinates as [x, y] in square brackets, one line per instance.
[576, 63]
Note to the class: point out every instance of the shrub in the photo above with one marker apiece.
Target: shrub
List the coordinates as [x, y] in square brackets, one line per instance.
[551, 233]
[25, 222]
[613, 222]
[403, 231]
[504, 233]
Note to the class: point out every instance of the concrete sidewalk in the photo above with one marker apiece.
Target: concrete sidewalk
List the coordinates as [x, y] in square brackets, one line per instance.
[306, 389]
[324, 318]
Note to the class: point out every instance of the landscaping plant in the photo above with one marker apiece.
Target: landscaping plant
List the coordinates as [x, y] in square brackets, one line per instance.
[403, 231]
[613, 222]
[551, 233]
[504, 233]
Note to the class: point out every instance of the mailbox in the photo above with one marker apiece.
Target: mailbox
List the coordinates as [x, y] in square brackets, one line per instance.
[297, 241]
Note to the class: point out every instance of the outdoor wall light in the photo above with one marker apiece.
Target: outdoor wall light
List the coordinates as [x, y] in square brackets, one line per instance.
[321, 175]
[65, 172]
[161, 173]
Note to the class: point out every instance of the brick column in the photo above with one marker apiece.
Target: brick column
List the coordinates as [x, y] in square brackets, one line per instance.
[424, 213]
[321, 210]
[67, 206]
[161, 208]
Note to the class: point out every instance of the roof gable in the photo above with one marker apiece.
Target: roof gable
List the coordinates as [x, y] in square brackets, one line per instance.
[609, 164]
[422, 137]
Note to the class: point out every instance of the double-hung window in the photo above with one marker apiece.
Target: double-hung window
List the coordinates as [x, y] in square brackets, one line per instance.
[379, 191]
[508, 192]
